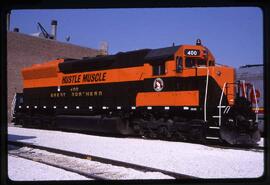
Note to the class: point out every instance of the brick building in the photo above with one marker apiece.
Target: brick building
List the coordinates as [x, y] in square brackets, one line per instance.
[24, 50]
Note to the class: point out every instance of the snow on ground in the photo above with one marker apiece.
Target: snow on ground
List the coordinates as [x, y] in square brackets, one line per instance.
[190, 159]
[20, 169]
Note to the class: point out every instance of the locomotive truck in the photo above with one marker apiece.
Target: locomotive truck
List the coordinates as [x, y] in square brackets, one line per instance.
[176, 92]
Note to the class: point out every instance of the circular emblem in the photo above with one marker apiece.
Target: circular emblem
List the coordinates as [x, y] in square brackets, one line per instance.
[158, 84]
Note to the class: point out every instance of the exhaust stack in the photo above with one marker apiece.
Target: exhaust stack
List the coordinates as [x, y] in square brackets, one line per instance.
[54, 29]
[16, 30]
[8, 21]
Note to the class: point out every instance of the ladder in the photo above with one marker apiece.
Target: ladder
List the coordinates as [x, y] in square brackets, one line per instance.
[220, 108]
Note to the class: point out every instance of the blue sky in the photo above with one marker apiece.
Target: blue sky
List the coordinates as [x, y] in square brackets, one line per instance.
[234, 35]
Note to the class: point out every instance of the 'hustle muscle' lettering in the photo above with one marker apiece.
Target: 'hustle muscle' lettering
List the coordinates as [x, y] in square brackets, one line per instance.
[96, 77]
[71, 79]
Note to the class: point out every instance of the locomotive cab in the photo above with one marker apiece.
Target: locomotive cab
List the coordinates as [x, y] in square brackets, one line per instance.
[191, 56]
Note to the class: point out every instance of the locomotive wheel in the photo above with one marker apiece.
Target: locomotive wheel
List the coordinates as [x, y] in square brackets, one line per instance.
[153, 134]
[37, 123]
[136, 128]
[164, 132]
[198, 135]
[146, 134]
[21, 122]
[142, 132]
[51, 124]
[179, 136]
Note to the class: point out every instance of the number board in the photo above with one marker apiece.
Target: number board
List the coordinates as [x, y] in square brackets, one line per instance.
[192, 52]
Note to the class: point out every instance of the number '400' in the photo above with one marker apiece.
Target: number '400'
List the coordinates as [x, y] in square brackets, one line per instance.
[192, 52]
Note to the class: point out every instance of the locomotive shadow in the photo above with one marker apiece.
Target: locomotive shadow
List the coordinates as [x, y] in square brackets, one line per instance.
[226, 146]
[115, 135]
[13, 137]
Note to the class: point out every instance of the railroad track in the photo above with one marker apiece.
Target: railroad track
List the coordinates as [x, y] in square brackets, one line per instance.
[96, 159]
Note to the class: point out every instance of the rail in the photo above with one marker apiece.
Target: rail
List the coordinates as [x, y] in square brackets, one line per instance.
[85, 174]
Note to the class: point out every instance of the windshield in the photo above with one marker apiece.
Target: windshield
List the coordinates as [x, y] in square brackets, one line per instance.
[195, 62]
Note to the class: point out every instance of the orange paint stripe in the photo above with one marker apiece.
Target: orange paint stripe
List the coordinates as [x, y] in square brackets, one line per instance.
[42, 82]
[173, 98]
[113, 75]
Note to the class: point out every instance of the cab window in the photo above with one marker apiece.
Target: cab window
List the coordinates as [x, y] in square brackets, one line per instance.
[159, 69]
[201, 62]
[190, 62]
[194, 62]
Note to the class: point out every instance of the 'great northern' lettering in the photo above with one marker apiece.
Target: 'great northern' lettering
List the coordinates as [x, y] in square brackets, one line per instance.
[95, 77]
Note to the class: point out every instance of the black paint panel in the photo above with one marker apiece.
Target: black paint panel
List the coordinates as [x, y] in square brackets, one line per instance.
[120, 60]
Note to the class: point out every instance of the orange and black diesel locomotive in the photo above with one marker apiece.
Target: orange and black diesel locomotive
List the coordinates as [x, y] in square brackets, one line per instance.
[175, 92]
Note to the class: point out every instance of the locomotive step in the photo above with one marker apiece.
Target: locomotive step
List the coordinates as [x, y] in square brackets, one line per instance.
[213, 132]
[214, 128]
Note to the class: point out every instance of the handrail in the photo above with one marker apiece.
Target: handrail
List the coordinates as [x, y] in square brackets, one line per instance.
[220, 101]
[205, 97]
[244, 88]
[256, 103]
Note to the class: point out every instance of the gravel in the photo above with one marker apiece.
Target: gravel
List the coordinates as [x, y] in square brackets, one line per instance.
[187, 158]
[20, 169]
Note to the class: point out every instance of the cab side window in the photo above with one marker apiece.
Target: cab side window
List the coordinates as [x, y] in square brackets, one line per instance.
[211, 63]
[179, 64]
[158, 69]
